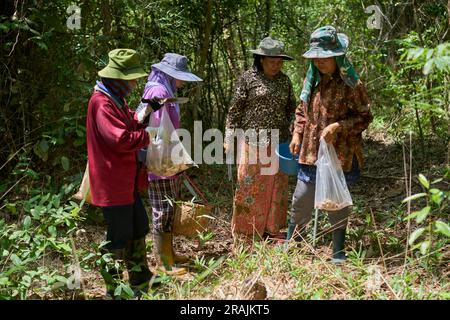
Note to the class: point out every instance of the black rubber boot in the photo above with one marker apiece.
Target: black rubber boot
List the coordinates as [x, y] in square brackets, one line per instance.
[338, 246]
[138, 272]
[295, 231]
[290, 231]
[111, 275]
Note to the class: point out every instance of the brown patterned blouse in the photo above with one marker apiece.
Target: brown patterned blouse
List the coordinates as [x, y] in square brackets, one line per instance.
[261, 103]
[334, 101]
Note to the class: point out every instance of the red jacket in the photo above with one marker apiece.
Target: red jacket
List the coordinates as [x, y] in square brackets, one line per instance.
[113, 139]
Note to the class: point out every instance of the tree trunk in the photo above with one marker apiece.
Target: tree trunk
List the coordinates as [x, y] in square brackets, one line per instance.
[228, 38]
[448, 10]
[243, 49]
[203, 55]
[107, 17]
[268, 22]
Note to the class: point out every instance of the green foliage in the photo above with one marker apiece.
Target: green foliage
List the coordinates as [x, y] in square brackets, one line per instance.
[433, 232]
[204, 237]
[31, 246]
[48, 72]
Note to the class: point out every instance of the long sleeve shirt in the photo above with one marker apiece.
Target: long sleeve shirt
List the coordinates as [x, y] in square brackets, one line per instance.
[334, 101]
[113, 139]
[261, 103]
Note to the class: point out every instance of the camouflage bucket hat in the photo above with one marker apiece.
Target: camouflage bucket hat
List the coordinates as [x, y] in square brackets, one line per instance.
[325, 42]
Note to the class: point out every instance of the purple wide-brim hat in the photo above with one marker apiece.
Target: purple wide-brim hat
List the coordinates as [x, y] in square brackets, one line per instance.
[175, 65]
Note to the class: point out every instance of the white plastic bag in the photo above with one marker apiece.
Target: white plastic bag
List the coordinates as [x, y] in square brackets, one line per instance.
[166, 155]
[331, 189]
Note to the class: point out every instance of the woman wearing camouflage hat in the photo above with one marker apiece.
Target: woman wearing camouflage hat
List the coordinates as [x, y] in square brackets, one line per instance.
[263, 100]
[113, 139]
[335, 106]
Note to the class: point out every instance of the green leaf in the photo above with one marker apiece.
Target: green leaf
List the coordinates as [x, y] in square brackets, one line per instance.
[27, 222]
[424, 181]
[118, 291]
[11, 207]
[429, 54]
[4, 281]
[416, 234]
[415, 53]
[428, 67]
[61, 278]
[414, 196]
[31, 173]
[65, 247]
[26, 279]
[441, 63]
[74, 212]
[424, 246]
[67, 106]
[41, 149]
[436, 198]
[128, 290]
[445, 295]
[52, 231]
[434, 191]
[56, 201]
[16, 260]
[65, 163]
[442, 227]
[423, 214]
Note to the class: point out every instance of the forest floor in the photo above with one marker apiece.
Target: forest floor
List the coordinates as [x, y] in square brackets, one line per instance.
[376, 267]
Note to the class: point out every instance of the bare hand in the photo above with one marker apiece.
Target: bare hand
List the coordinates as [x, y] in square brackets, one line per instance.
[294, 146]
[329, 133]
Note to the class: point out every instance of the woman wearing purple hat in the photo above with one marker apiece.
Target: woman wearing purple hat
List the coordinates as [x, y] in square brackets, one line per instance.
[165, 77]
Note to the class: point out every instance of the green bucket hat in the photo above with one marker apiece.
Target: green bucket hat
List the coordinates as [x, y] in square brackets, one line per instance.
[123, 64]
[325, 42]
[269, 47]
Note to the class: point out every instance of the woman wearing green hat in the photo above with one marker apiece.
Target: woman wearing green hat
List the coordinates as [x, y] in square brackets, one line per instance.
[113, 140]
[334, 106]
[263, 100]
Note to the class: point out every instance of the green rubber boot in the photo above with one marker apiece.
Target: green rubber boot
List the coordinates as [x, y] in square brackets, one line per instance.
[338, 246]
[163, 250]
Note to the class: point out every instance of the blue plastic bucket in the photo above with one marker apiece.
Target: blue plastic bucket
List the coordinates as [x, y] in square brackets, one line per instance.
[288, 164]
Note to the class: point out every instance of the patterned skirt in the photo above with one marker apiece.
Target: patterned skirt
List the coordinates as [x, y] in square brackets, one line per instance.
[162, 195]
[261, 201]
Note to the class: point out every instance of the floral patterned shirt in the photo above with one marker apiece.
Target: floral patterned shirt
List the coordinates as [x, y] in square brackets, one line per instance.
[261, 103]
[334, 101]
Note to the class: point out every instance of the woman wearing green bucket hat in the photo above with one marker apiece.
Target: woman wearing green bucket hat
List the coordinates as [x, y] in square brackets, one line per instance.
[334, 106]
[263, 100]
[114, 137]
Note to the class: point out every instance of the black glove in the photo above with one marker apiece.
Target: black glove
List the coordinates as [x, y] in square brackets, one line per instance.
[154, 104]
